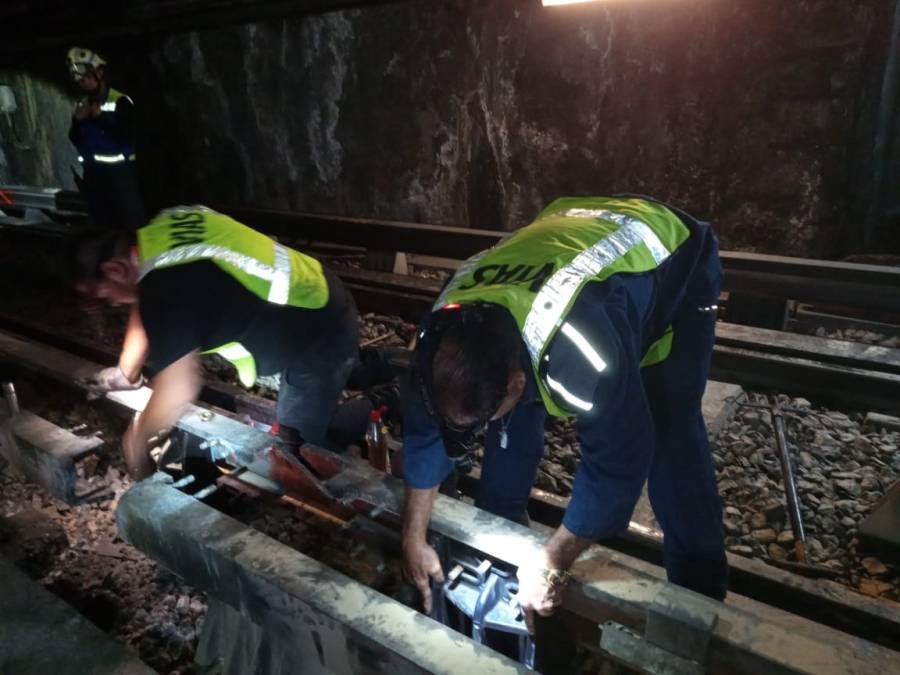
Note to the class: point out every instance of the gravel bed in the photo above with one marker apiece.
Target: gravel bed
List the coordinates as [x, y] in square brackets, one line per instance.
[346, 548]
[841, 470]
[76, 553]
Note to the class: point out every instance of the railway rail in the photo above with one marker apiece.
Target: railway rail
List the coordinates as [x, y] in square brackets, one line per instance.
[832, 371]
[273, 585]
[826, 601]
[769, 276]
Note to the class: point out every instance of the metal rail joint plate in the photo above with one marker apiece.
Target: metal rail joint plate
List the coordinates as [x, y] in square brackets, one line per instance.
[485, 593]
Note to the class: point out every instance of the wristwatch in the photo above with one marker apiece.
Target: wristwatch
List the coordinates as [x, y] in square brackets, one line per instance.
[555, 578]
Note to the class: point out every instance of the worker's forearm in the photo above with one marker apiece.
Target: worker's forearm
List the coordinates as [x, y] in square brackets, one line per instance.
[135, 347]
[563, 548]
[173, 389]
[417, 512]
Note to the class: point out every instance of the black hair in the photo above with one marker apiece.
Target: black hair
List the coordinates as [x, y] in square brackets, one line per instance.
[474, 352]
[90, 251]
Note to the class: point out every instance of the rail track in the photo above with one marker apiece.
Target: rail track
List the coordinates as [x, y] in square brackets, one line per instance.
[758, 289]
[833, 371]
[774, 622]
[824, 601]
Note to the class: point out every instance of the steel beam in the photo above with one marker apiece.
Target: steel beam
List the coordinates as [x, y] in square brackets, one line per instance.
[41, 199]
[829, 602]
[749, 637]
[824, 350]
[370, 233]
[770, 276]
[336, 624]
[830, 382]
[45, 453]
[40, 633]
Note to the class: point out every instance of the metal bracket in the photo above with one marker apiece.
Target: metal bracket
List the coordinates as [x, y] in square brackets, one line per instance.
[486, 595]
[675, 641]
[46, 454]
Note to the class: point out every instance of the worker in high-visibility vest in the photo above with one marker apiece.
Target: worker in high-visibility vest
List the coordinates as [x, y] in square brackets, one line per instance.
[602, 309]
[103, 132]
[201, 282]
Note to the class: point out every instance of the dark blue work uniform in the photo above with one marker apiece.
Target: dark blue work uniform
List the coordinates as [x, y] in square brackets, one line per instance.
[106, 150]
[645, 424]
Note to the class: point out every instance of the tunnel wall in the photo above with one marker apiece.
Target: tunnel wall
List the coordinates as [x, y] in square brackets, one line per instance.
[754, 114]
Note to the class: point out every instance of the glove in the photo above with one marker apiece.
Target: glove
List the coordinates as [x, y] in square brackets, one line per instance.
[111, 379]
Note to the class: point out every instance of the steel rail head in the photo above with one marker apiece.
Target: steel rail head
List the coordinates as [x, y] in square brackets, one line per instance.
[343, 626]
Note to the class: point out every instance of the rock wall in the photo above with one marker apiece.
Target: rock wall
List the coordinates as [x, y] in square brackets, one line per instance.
[755, 114]
[34, 147]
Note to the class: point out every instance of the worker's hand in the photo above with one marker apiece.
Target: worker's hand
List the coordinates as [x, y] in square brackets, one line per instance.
[536, 594]
[421, 564]
[110, 379]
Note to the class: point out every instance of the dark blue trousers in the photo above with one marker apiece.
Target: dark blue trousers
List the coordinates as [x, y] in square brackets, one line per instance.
[681, 478]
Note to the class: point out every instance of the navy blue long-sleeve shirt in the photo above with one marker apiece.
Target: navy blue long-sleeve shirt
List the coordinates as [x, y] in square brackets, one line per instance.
[616, 435]
[111, 132]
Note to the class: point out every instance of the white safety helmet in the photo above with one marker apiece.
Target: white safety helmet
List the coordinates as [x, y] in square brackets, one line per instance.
[81, 61]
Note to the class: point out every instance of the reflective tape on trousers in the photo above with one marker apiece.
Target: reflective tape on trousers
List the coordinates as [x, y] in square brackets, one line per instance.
[109, 159]
[553, 298]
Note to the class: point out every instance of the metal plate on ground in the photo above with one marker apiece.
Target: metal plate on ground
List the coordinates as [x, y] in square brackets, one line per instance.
[880, 531]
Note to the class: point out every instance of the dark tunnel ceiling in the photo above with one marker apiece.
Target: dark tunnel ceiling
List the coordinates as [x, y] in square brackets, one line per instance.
[30, 25]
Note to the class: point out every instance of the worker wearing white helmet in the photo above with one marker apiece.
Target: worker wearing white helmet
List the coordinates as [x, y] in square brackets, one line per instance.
[103, 131]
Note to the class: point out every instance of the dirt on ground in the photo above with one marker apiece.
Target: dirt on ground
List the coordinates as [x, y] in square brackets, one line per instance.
[76, 552]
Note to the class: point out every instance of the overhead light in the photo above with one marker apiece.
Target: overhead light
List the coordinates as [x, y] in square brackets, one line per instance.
[550, 3]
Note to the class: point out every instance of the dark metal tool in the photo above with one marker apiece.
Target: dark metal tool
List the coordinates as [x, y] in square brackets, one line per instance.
[795, 517]
[790, 485]
[485, 594]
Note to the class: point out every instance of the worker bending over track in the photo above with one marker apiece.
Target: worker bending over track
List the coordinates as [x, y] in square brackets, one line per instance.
[203, 282]
[602, 309]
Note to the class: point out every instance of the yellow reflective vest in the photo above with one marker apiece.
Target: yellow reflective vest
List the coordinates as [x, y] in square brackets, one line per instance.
[538, 272]
[269, 270]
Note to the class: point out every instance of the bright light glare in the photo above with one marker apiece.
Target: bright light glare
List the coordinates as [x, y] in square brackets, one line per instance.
[550, 3]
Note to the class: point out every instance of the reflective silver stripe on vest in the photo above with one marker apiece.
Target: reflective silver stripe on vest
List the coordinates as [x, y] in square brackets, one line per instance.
[281, 283]
[233, 352]
[182, 209]
[553, 298]
[464, 270]
[108, 106]
[657, 250]
[273, 274]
